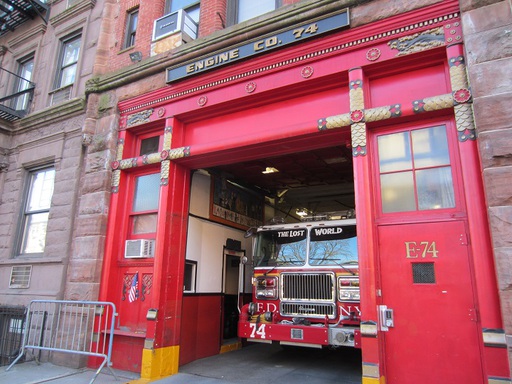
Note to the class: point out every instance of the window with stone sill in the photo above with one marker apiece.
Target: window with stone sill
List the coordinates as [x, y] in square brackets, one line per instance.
[68, 60]
[23, 83]
[37, 202]
[132, 18]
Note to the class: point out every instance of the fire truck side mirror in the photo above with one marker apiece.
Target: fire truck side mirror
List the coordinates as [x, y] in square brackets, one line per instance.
[244, 260]
[250, 232]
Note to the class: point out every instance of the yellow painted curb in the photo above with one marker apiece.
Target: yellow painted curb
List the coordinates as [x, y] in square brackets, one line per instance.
[158, 363]
[231, 347]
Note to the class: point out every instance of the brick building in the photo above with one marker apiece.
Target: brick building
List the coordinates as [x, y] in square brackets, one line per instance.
[164, 105]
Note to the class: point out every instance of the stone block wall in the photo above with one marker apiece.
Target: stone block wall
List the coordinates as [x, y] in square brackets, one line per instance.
[487, 27]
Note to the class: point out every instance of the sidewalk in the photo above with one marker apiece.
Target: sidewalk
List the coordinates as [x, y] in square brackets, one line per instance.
[32, 373]
[253, 364]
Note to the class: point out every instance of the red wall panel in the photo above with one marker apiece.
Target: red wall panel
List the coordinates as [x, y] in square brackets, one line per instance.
[407, 86]
[200, 327]
[274, 121]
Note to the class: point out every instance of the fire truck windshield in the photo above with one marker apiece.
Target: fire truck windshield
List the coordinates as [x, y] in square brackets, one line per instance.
[281, 248]
[331, 246]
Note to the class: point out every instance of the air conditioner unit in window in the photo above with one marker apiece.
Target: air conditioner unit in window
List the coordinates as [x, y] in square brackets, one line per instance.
[178, 21]
[135, 249]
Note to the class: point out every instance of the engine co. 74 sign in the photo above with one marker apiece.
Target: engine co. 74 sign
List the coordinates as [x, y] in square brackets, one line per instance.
[260, 45]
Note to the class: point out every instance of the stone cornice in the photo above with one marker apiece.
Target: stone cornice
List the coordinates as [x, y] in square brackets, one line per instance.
[282, 18]
[73, 11]
[52, 114]
[27, 36]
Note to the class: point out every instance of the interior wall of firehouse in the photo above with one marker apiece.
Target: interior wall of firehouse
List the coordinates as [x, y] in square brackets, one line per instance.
[213, 254]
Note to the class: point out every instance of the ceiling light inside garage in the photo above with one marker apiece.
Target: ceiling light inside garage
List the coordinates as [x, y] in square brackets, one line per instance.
[270, 170]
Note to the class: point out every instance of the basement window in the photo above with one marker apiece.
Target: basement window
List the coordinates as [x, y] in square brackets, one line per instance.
[20, 276]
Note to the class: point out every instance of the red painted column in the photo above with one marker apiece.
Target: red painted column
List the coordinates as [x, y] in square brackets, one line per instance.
[488, 312]
[112, 242]
[372, 368]
[161, 350]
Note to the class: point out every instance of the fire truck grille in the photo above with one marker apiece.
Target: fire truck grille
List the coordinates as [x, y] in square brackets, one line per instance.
[308, 310]
[308, 287]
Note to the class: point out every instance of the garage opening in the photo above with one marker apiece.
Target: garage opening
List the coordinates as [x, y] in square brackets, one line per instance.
[228, 199]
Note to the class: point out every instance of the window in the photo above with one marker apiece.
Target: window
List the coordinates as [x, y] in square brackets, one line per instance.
[68, 61]
[189, 283]
[415, 170]
[149, 145]
[242, 10]
[189, 6]
[144, 213]
[131, 28]
[36, 211]
[23, 82]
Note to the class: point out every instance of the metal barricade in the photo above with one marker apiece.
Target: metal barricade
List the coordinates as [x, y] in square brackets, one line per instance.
[80, 327]
[12, 319]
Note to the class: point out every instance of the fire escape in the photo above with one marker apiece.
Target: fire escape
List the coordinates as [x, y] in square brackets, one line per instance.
[15, 91]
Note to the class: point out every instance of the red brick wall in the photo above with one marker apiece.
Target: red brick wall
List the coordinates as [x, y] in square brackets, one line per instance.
[148, 12]
[212, 17]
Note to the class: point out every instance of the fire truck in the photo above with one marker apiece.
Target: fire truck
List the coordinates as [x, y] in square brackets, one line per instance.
[305, 284]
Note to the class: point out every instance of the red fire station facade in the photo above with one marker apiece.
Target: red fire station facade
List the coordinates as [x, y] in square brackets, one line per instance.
[396, 93]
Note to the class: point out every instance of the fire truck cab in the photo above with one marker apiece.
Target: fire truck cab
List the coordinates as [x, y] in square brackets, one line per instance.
[305, 283]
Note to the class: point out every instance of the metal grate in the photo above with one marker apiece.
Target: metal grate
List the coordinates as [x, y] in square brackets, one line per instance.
[13, 13]
[423, 273]
[308, 286]
[308, 310]
[81, 327]
[20, 276]
[12, 320]
[61, 95]
[296, 334]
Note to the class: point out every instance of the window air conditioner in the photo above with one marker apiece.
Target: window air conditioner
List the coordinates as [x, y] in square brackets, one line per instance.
[178, 21]
[135, 249]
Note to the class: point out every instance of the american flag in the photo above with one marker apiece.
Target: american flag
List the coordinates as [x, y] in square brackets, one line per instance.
[134, 289]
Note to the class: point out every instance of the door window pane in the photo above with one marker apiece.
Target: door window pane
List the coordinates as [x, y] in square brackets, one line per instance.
[394, 152]
[430, 147]
[147, 192]
[397, 190]
[144, 223]
[435, 188]
[415, 170]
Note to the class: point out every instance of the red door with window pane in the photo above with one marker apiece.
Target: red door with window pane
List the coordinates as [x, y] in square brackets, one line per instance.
[433, 333]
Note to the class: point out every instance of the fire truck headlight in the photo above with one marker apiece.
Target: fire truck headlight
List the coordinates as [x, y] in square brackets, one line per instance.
[268, 316]
[252, 308]
[345, 295]
[349, 295]
[348, 288]
[266, 294]
[266, 287]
